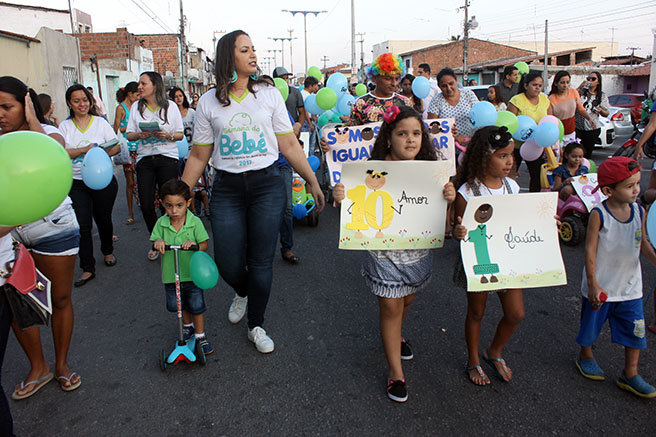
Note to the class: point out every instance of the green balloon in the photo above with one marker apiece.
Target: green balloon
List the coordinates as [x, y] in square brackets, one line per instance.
[323, 120]
[326, 98]
[522, 67]
[561, 129]
[360, 89]
[315, 72]
[335, 118]
[35, 177]
[282, 87]
[507, 119]
[593, 166]
[203, 270]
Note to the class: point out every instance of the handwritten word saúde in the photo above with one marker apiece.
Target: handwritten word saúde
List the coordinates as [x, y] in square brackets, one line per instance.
[527, 238]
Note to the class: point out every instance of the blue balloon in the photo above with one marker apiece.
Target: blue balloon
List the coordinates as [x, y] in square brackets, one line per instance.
[183, 147]
[311, 106]
[314, 162]
[651, 224]
[546, 134]
[97, 169]
[345, 103]
[299, 211]
[525, 128]
[338, 83]
[421, 87]
[482, 114]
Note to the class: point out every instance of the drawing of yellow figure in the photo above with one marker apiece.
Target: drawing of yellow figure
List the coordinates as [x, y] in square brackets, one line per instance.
[364, 208]
[479, 237]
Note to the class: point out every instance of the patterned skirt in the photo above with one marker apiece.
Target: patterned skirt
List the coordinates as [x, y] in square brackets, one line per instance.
[397, 273]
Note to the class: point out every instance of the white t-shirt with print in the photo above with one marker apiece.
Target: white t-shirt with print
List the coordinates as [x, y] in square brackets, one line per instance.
[153, 145]
[243, 134]
[188, 123]
[97, 132]
[466, 191]
[67, 202]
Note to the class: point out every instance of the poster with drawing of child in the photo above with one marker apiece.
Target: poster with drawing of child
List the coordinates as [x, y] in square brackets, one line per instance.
[504, 249]
[583, 185]
[354, 143]
[393, 205]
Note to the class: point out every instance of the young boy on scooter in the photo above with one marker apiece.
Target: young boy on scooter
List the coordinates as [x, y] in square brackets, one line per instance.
[179, 226]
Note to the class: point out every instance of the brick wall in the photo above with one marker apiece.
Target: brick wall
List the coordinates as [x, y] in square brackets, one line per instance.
[166, 54]
[450, 55]
[109, 45]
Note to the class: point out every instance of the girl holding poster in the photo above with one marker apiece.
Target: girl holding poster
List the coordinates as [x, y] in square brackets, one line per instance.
[394, 276]
[484, 172]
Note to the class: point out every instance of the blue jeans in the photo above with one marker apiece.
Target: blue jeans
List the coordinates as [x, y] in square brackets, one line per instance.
[6, 423]
[246, 213]
[287, 225]
[192, 298]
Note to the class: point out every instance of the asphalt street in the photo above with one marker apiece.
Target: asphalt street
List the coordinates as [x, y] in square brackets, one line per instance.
[328, 372]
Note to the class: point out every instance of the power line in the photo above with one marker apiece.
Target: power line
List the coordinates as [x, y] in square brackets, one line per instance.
[152, 16]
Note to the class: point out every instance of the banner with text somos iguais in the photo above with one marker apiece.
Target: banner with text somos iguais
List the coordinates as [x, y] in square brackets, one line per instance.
[393, 205]
[583, 185]
[354, 143]
[504, 249]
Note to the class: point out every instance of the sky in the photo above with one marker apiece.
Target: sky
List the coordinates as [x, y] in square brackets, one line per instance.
[329, 34]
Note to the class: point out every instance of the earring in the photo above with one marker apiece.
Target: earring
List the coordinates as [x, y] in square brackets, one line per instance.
[254, 76]
[233, 79]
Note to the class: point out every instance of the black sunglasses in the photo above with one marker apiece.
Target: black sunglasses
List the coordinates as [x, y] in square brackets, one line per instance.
[591, 79]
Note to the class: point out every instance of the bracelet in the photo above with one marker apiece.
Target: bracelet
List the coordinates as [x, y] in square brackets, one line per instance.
[172, 137]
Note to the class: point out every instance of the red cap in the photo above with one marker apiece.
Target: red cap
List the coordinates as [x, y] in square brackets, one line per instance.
[615, 169]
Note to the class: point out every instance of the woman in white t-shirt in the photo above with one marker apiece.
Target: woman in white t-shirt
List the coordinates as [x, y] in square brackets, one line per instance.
[188, 114]
[82, 131]
[53, 242]
[240, 126]
[156, 122]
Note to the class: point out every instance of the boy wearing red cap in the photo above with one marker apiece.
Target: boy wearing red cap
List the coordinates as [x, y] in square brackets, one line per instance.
[612, 274]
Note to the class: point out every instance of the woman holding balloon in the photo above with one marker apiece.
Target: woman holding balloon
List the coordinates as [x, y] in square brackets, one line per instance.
[241, 126]
[533, 103]
[94, 185]
[157, 124]
[53, 242]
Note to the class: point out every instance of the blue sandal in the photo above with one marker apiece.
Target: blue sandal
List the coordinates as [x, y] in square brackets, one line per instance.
[492, 363]
[590, 369]
[637, 386]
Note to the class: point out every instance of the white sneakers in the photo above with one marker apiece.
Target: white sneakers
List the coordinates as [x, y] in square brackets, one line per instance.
[237, 309]
[263, 342]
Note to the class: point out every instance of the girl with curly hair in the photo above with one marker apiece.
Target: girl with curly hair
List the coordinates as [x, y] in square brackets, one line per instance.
[484, 172]
[394, 276]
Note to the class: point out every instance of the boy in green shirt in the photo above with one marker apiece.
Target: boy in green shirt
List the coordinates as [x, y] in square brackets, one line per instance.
[179, 226]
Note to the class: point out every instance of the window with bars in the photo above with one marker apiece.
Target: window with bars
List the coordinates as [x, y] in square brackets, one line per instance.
[70, 76]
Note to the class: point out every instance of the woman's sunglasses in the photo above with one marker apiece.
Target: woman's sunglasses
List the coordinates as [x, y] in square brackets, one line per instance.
[591, 79]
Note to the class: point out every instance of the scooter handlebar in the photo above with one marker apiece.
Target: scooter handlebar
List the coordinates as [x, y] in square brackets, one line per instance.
[193, 248]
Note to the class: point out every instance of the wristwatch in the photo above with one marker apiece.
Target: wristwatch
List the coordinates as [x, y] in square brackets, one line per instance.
[172, 137]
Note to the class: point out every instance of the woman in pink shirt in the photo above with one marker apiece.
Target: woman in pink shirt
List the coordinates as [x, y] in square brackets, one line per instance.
[566, 102]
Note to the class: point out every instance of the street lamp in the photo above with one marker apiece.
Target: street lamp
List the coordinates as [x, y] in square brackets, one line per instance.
[282, 40]
[274, 54]
[305, 13]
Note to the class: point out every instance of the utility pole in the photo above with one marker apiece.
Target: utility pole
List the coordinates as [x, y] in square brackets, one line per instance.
[465, 68]
[291, 58]
[353, 69]
[214, 32]
[183, 49]
[633, 49]
[275, 60]
[282, 40]
[612, 38]
[77, 43]
[545, 73]
[361, 41]
[324, 60]
[305, 13]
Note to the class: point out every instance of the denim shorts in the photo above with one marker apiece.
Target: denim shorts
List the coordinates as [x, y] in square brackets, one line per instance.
[626, 320]
[192, 297]
[56, 234]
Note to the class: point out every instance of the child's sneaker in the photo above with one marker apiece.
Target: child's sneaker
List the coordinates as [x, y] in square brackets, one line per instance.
[406, 352]
[396, 390]
[590, 369]
[637, 386]
[187, 332]
[205, 345]
[237, 309]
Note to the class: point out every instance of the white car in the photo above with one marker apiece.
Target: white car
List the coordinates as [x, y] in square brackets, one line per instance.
[607, 134]
[621, 119]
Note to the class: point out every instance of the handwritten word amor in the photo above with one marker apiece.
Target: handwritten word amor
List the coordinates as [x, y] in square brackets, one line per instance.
[514, 240]
[421, 200]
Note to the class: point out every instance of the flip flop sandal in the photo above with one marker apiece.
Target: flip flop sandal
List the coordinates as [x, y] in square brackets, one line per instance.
[38, 383]
[491, 362]
[292, 259]
[153, 255]
[650, 329]
[129, 221]
[479, 369]
[72, 386]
